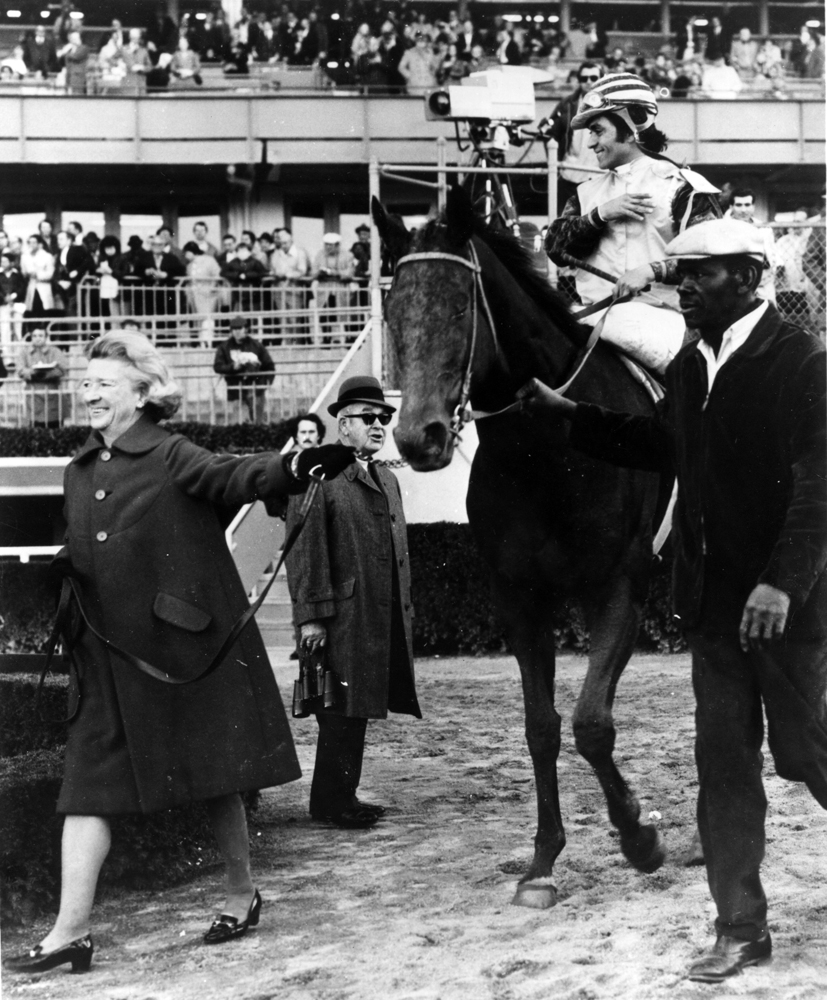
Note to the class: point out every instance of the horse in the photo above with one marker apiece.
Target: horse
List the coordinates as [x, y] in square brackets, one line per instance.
[470, 317]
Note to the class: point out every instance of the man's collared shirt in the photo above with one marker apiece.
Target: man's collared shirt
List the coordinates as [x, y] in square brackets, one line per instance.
[736, 336]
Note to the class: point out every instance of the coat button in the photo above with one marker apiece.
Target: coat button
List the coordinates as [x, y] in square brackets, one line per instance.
[100, 494]
[101, 536]
[105, 456]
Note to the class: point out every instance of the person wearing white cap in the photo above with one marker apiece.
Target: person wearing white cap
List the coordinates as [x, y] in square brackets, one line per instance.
[620, 221]
[333, 266]
[744, 426]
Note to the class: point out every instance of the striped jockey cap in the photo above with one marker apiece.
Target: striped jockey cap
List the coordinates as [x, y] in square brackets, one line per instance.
[617, 92]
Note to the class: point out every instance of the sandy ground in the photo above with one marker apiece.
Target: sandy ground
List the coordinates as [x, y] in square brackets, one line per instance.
[418, 908]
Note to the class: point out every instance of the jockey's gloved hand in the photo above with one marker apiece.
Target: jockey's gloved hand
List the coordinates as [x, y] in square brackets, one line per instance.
[328, 460]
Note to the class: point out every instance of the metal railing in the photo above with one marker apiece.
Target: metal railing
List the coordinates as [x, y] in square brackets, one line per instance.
[207, 398]
[198, 312]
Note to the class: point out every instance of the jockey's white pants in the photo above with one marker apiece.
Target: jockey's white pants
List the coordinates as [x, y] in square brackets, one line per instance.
[651, 335]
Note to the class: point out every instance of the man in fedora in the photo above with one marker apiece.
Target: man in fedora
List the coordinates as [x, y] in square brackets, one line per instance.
[743, 424]
[349, 580]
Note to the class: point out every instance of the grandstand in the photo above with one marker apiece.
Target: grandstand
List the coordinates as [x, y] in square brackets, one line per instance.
[293, 145]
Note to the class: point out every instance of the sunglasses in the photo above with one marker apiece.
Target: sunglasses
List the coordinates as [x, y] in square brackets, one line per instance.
[589, 79]
[370, 418]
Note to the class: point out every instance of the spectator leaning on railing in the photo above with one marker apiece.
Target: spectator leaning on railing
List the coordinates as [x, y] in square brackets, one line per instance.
[39, 52]
[247, 369]
[42, 367]
[75, 56]
[418, 66]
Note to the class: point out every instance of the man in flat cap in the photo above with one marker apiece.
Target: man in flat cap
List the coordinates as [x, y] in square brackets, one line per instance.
[743, 427]
[349, 580]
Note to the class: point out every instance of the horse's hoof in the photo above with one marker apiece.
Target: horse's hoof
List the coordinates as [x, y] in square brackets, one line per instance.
[695, 854]
[535, 895]
[646, 850]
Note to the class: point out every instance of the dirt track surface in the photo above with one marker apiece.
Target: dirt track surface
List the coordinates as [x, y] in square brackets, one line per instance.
[418, 908]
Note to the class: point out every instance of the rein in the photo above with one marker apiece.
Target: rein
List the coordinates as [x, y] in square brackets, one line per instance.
[463, 413]
[70, 590]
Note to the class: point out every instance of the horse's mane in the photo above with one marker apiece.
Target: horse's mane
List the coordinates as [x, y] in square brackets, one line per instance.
[517, 260]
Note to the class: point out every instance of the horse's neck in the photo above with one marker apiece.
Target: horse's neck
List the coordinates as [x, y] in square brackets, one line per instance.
[526, 343]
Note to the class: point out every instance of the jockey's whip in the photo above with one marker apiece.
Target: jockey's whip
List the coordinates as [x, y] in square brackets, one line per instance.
[574, 262]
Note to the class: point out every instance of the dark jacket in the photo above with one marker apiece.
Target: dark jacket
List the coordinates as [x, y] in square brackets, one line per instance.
[40, 58]
[170, 264]
[145, 541]
[78, 263]
[751, 464]
[258, 375]
[12, 286]
[249, 272]
[561, 118]
[341, 571]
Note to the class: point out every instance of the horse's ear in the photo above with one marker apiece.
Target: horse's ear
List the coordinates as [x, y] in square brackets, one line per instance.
[460, 215]
[392, 230]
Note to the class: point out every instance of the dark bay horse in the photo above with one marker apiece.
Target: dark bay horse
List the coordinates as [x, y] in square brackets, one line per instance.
[552, 524]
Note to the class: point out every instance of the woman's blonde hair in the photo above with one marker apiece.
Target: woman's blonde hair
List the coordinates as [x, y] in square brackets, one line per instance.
[146, 370]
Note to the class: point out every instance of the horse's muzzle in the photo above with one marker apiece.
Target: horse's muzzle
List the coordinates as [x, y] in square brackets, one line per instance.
[426, 449]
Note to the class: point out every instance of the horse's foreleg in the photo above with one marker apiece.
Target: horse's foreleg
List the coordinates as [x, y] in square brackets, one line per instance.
[532, 639]
[613, 626]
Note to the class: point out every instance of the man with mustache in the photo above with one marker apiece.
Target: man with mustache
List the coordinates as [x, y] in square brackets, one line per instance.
[349, 578]
[743, 425]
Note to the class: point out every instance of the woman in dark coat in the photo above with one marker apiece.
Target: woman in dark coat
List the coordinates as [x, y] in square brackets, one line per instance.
[145, 549]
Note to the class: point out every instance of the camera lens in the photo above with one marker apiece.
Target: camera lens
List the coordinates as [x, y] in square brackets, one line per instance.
[440, 103]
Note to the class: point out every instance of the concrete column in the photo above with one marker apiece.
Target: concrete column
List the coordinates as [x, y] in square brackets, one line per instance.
[169, 215]
[565, 16]
[269, 213]
[112, 220]
[332, 219]
[665, 19]
[53, 211]
[763, 17]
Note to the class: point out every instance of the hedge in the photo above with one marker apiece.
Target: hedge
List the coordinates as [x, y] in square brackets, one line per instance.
[451, 596]
[148, 852]
[31, 442]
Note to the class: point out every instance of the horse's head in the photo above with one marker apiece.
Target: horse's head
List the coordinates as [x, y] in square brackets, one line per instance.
[430, 312]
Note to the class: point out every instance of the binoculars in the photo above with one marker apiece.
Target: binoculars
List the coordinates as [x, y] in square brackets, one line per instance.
[315, 687]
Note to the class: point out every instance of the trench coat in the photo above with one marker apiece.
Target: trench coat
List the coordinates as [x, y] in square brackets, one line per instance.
[145, 543]
[345, 569]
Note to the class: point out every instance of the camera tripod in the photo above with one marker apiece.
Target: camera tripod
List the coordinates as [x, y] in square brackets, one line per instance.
[491, 190]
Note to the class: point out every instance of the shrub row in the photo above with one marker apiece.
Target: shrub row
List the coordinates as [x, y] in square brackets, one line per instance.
[42, 442]
[147, 851]
[450, 586]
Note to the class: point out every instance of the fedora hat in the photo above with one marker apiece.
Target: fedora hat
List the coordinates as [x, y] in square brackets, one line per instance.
[360, 389]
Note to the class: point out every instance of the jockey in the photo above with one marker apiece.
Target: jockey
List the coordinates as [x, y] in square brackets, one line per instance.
[620, 221]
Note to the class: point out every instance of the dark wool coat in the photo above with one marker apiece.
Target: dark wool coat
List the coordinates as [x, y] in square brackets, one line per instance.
[347, 565]
[145, 542]
[751, 462]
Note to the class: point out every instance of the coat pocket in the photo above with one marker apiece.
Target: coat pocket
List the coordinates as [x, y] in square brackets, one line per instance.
[342, 591]
[177, 612]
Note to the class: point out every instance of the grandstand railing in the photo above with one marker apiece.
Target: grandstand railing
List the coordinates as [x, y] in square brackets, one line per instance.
[300, 375]
[279, 312]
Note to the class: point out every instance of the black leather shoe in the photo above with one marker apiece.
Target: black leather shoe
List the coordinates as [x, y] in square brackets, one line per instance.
[225, 928]
[78, 952]
[728, 956]
[353, 817]
[371, 807]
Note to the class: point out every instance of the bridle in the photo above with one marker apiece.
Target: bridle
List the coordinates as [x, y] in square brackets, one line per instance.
[463, 413]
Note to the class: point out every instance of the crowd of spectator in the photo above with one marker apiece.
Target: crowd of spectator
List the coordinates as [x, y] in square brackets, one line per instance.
[65, 274]
[395, 49]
